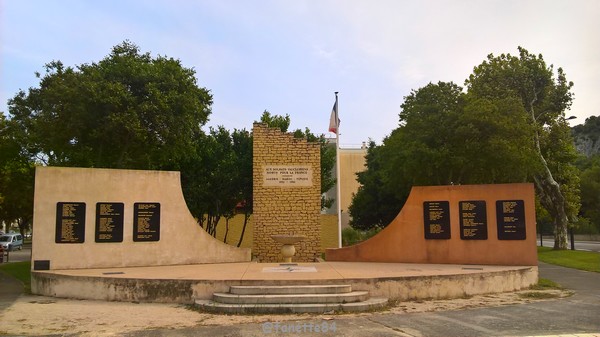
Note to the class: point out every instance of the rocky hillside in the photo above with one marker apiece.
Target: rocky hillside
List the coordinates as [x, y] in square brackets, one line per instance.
[587, 136]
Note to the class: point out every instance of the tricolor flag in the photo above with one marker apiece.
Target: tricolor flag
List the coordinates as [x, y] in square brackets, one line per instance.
[334, 120]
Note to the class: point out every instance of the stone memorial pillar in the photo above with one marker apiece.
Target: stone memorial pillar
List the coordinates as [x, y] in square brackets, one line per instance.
[287, 194]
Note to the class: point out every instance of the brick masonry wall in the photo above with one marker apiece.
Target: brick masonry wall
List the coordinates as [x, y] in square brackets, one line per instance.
[285, 209]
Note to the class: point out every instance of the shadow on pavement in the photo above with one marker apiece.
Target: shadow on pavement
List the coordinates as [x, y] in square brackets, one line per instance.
[10, 290]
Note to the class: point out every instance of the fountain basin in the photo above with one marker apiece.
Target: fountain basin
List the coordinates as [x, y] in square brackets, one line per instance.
[288, 250]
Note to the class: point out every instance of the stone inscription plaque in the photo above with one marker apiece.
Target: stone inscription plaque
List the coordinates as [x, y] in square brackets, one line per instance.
[287, 176]
[146, 221]
[70, 222]
[436, 215]
[109, 221]
[510, 215]
[473, 220]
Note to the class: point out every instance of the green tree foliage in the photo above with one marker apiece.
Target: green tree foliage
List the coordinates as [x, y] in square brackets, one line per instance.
[445, 137]
[210, 179]
[242, 147]
[377, 201]
[127, 111]
[327, 163]
[448, 137]
[276, 121]
[590, 191]
[16, 178]
[508, 126]
[544, 97]
[351, 236]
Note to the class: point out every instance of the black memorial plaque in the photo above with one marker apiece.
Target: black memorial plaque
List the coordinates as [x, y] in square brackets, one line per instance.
[510, 215]
[146, 221]
[41, 264]
[70, 222]
[473, 220]
[436, 215]
[109, 221]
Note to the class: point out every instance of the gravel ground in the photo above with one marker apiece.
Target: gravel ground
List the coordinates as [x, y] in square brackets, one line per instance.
[31, 315]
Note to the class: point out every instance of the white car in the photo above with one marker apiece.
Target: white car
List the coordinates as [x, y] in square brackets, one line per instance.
[11, 241]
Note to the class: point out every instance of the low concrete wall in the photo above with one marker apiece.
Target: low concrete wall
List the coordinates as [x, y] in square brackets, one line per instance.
[404, 239]
[182, 240]
[450, 286]
[186, 291]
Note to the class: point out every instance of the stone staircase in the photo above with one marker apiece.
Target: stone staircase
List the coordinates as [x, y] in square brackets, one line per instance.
[291, 299]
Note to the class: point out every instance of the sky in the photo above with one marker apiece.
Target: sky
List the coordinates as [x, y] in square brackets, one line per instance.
[290, 56]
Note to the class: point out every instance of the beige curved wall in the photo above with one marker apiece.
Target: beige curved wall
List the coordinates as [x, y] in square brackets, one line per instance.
[182, 241]
[404, 239]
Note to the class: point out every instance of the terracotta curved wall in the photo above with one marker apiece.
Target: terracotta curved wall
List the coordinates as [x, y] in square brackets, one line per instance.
[182, 240]
[403, 240]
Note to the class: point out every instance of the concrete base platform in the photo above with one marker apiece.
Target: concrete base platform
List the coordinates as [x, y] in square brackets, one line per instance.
[188, 283]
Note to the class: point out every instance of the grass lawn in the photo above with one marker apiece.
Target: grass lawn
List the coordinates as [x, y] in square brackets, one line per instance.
[19, 270]
[545, 284]
[576, 259]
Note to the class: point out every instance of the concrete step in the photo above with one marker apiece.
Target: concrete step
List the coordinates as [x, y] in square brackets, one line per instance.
[353, 296]
[370, 304]
[296, 289]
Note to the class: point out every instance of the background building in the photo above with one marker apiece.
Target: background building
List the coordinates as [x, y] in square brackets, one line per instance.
[352, 161]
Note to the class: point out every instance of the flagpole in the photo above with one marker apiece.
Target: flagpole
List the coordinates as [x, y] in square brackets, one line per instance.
[337, 173]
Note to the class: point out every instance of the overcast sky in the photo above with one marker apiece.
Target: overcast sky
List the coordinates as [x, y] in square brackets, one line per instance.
[290, 56]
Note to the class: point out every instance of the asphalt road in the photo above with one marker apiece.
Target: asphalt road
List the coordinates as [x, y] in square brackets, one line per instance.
[592, 246]
[20, 255]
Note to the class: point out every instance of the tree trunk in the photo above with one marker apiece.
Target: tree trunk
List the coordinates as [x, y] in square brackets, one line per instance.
[23, 224]
[552, 199]
[551, 196]
[226, 229]
[246, 217]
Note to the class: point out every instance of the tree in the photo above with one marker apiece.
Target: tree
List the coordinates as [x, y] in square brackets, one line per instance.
[242, 147]
[129, 110]
[376, 202]
[276, 121]
[327, 163]
[210, 179]
[16, 178]
[508, 127]
[217, 178]
[445, 137]
[448, 137]
[544, 97]
[590, 190]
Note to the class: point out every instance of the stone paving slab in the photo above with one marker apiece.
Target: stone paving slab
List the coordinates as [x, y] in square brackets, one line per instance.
[263, 271]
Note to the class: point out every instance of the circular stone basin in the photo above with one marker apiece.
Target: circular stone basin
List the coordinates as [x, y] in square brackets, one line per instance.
[288, 239]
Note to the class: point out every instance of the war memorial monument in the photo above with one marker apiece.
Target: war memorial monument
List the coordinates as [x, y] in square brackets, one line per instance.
[127, 235]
